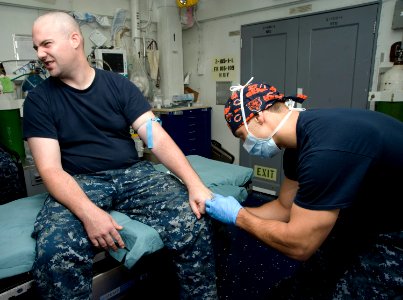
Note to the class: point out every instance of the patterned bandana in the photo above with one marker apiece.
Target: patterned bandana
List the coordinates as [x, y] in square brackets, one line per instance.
[256, 97]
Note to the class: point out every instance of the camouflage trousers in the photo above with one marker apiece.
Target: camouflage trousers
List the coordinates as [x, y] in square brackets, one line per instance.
[10, 183]
[64, 254]
[376, 273]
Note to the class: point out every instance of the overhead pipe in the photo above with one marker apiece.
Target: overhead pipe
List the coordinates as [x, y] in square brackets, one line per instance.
[135, 23]
[171, 52]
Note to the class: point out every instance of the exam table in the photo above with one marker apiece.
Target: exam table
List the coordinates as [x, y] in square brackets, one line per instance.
[17, 247]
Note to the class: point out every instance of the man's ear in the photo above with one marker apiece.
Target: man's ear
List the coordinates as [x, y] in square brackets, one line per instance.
[75, 40]
[260, 118]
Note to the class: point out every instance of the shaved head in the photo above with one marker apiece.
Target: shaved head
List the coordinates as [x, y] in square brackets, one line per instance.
[60, 22]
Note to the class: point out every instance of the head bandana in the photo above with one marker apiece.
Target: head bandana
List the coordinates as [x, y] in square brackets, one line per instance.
[248, 100]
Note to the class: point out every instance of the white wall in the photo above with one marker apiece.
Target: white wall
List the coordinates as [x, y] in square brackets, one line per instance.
[211, 39]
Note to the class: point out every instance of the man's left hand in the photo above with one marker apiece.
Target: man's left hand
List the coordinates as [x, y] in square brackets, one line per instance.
[197, 199]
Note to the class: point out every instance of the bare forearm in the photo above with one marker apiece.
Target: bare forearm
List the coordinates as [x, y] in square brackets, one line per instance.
[280, 208]
[166, 150]
[66, 191]
[274, 233]
[169, 154]
[271, 211]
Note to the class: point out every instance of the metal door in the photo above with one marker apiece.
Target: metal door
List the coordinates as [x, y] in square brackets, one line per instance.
[335, 57]
[269, 54]
[328, 55]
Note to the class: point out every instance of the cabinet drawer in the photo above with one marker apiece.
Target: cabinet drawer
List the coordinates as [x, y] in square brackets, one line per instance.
[190, 129]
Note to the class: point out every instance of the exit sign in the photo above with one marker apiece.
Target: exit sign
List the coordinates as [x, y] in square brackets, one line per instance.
[265, 173]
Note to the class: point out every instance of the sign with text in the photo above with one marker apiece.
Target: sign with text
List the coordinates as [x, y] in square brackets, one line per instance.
[265, 173]
[223, 69]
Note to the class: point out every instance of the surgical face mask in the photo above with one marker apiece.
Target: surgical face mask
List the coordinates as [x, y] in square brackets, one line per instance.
[261, 147]
[264, 147]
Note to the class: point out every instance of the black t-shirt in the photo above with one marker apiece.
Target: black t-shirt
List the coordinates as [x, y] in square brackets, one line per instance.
[290, 161]
[352, 160]
[91, 125]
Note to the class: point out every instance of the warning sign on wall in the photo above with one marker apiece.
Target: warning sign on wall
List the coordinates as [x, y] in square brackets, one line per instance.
[223, 69]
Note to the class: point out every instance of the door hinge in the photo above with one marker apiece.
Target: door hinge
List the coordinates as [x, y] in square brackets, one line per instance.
[374, 29]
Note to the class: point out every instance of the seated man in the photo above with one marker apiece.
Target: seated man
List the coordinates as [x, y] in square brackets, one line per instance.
[77, 126]
[339, 209]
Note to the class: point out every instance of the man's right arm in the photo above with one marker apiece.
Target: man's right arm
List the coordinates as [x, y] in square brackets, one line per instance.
[298, 238]
[296, 232]
[99, 225]
[278, 209]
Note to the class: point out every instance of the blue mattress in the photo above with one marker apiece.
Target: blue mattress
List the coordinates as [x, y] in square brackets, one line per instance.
[222, 178]
[17, 247]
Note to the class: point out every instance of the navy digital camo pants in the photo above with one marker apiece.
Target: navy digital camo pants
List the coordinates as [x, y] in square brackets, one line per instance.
[376, 273]
[10, 183]
[64, 254]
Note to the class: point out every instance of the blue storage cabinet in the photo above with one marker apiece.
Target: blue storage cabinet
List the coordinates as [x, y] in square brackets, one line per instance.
[190, 128]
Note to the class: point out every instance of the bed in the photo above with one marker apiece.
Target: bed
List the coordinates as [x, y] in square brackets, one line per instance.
[17, 248]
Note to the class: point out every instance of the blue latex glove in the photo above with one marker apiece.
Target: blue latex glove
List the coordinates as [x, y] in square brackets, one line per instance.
[224, 209]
